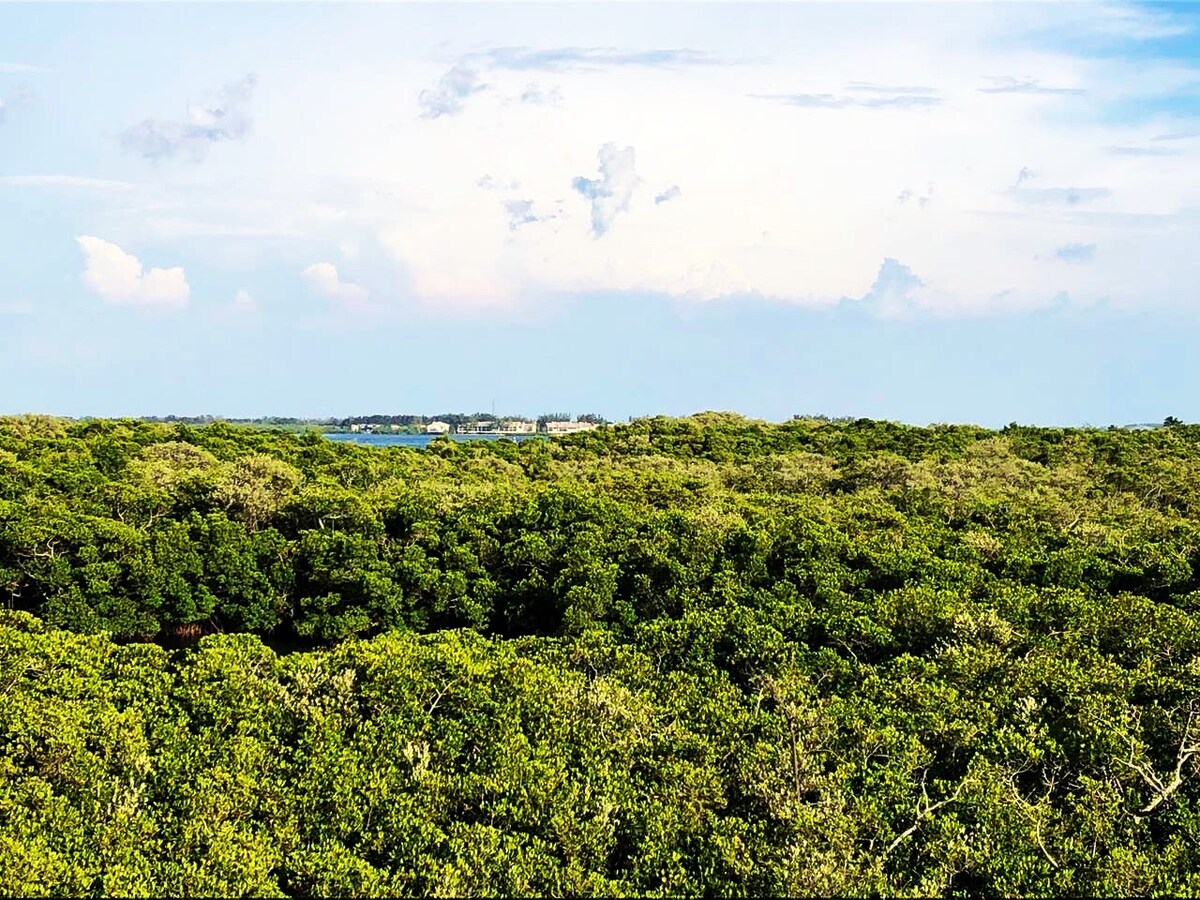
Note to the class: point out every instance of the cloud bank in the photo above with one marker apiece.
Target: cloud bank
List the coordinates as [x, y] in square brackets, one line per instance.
[796, 199]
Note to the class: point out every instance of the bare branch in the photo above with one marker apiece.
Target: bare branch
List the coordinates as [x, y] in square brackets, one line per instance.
[1031, 810]
[1188, 748]
[925, 809]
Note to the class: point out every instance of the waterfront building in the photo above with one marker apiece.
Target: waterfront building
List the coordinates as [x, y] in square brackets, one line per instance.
[568, 427]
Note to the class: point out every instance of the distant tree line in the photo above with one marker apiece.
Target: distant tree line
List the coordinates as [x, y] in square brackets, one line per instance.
[378, 420]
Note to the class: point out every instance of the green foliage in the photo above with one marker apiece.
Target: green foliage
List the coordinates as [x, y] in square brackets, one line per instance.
[704, 656]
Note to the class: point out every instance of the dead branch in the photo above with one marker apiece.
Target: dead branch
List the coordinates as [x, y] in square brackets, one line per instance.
[925, 809]
[1030, 810]
[1188, 748]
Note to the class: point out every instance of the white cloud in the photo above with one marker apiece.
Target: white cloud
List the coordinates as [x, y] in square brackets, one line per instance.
[861, 95]
[539, 97]
[224, 120]
[119, 278]
[611, 192]
[893, 288]
[243, 302]
[323, 278]
[488, 183]
[452, 89]
[464, 78]
[1007, 84]
[668, 195]
[558, 59]
[787, 201]
[521, 212]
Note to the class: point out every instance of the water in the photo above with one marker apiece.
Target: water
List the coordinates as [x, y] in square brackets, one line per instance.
[417, 441]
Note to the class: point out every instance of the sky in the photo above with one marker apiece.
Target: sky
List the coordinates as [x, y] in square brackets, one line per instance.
[924, 212]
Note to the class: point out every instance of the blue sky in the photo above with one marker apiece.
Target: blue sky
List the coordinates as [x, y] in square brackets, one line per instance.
[961, 212]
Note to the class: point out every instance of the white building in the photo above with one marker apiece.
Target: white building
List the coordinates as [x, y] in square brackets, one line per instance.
[568, 427]
[483, 427]
[437, 428]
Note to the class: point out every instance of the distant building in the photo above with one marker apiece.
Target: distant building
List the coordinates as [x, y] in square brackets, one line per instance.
[356, 427]
[437, 428]
[518, 427]
[568, 427]
[483, 427]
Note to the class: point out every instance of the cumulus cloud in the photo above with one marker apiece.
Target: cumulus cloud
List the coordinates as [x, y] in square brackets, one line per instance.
[1075, 253]
[243, 302]
[452, 89]
[323, 278]
[611, 192]
[668, 195]
[892, 290]
[224, 120]
[119, 278]
[1006, 84]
